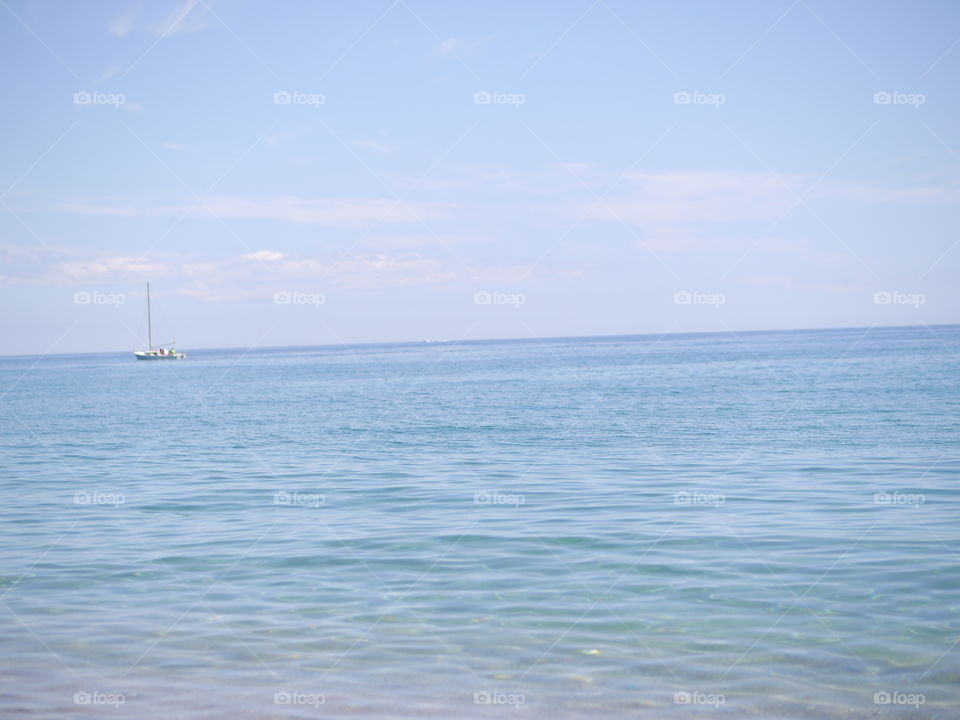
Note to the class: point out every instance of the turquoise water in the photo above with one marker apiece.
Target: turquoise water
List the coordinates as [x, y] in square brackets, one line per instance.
[760, 525]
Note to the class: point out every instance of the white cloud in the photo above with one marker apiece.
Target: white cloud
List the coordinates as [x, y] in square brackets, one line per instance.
[367, 272]
[236, 277]
[264, 255]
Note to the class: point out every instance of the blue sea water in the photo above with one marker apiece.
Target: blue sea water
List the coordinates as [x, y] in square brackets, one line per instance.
[754, 525]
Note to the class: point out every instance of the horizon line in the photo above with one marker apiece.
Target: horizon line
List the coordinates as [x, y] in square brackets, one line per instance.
[429, 341]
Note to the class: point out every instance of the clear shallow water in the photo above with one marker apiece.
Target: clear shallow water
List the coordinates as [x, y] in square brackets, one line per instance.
[587, 526]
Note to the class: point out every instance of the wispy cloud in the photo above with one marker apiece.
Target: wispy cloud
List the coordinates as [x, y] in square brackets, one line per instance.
[123, 24]
[372, 145]
[406, 241]
[180, 20]
[233, 278]
[106, 210]
[265, 256]
[699, 197]
[114, 267]
[327, 212]
[446, 47]
[679, 211]
[451, 47]
[262, 273]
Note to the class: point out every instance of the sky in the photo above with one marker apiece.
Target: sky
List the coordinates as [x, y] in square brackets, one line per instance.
[305, 172]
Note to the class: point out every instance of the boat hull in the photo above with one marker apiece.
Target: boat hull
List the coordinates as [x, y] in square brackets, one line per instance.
[146, 355]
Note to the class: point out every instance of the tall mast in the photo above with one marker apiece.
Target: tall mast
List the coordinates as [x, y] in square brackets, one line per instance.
[149, 327]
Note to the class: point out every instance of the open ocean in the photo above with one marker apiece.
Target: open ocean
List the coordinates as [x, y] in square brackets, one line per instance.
[759, 525]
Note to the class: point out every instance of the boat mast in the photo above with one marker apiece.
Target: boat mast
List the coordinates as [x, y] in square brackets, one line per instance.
[149, 327]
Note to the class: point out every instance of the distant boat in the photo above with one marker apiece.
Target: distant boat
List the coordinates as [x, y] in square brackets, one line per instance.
[161, 353]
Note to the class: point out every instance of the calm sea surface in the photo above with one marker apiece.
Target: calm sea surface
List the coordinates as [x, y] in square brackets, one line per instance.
[762, 525]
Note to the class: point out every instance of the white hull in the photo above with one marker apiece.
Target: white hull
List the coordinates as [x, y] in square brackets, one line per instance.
[154, 355]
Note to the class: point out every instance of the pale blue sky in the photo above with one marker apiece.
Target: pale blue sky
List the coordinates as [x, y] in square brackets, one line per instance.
[582, 198]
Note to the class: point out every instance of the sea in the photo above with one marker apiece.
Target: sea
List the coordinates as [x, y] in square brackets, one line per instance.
[738, 525]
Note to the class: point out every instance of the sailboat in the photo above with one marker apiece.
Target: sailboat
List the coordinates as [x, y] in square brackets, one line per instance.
[161, 353]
